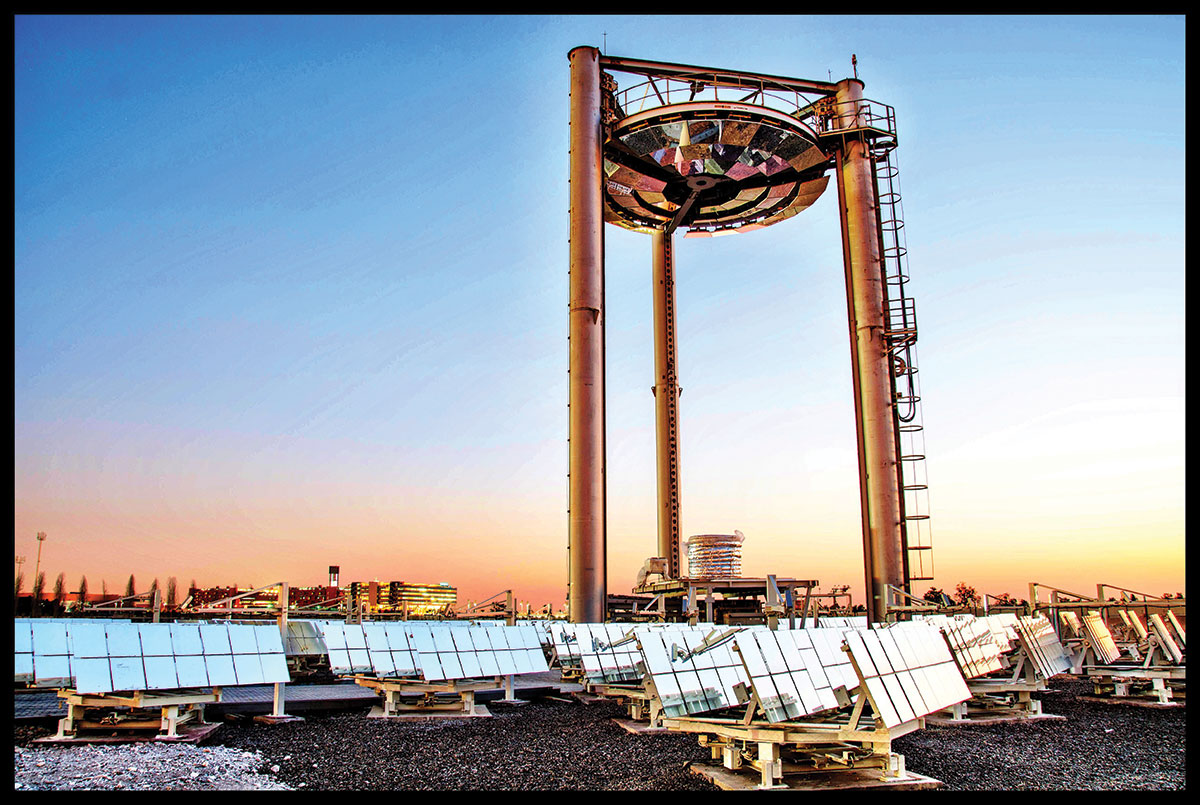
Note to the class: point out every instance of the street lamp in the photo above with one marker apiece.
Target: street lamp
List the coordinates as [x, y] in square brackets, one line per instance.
[41, 537]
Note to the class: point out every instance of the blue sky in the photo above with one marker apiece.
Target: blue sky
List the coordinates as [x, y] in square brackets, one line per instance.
[291, 292]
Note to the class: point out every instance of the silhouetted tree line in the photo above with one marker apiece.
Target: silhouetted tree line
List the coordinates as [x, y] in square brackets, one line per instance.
[63, 602]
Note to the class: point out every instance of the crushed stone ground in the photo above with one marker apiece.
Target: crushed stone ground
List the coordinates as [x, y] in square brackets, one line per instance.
[140, 767]
[554, 744]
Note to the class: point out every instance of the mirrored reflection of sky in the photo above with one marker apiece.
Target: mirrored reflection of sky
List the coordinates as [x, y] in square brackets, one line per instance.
[291, 292]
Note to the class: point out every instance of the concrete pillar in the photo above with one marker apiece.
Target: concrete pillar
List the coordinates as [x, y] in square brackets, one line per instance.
[666, 402]
[586, 496]
[883, 545]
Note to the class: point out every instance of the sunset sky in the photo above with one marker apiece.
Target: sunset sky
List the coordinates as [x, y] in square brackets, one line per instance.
[292, 292]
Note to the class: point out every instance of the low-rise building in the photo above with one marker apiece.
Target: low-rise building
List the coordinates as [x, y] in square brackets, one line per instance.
[263, 599]
[401, 596]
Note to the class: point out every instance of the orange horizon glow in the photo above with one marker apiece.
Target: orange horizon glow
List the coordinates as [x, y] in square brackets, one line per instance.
[481, 567]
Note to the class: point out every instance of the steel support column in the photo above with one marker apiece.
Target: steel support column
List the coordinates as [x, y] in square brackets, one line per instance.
[278, 705]
[883, 546]
[587, 590]
[666, 402]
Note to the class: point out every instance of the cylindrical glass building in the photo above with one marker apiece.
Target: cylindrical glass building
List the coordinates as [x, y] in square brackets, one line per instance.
[715, 556]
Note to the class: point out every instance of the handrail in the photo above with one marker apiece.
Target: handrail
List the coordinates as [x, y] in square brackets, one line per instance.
[721, 77]
[232, 598]
[1055, 591]
[663, 91]
[112, 604]
[835, 117]
[1146, 597]
[829, 116]
[474, 606]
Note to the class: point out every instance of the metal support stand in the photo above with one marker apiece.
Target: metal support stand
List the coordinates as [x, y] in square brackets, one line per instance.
[180, 716]
[644, 711]
[845, 749]
[509, 697]
[277, 701]
[1134, 685]
[411, 698]
[822, 754]
[996, 699]
[278, 714]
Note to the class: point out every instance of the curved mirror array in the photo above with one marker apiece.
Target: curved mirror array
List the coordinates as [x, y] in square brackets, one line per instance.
[729, 168]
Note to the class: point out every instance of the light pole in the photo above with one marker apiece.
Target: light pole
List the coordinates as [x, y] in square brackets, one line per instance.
[41, 537]
[17, 585]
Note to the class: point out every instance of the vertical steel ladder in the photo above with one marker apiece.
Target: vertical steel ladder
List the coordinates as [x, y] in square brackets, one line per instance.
[901, 334]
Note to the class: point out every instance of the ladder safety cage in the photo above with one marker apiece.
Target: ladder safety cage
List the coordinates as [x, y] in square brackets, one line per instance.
[877, 122]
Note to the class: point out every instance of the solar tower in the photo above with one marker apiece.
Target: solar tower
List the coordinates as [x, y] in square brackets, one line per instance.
[718, 152]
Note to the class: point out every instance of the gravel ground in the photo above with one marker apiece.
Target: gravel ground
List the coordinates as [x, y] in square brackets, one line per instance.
[552, 744]
[541, 745]
[1098, 747]
[139, 766]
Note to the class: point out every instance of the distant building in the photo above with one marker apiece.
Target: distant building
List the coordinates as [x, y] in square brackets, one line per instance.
[264, 599]
[400, 596]
[394, 596]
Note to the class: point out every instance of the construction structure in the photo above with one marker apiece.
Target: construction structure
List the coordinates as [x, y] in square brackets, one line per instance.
[718, 152]
[727, 600]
